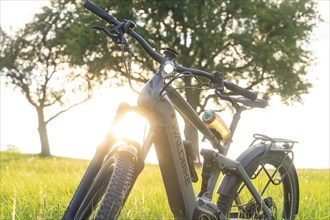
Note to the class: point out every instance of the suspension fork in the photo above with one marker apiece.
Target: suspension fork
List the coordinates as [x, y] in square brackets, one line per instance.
[92, 170]
[101, 151]
[142, 150]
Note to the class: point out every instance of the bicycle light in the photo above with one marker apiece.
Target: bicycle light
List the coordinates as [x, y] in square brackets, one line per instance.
[168, 69]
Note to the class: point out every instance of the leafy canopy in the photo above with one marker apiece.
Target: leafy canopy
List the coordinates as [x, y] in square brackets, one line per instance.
[259, 44]
[33, 62]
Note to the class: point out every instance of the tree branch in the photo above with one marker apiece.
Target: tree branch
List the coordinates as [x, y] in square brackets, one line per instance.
[67, 109]
[206, 99]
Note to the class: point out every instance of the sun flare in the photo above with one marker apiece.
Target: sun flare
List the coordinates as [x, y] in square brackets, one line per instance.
[132, 126]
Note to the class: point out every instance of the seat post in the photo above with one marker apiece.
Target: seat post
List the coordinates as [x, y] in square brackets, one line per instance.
[233, 126]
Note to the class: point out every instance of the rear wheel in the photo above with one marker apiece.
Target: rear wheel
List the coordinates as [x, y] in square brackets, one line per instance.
[110, 188]
[274, 177]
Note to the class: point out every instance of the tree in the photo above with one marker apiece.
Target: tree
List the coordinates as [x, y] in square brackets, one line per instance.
[33, 63]
[258, 44]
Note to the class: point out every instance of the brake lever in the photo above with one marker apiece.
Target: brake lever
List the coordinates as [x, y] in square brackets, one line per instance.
[227, 98]
[218, 81]
[115, 34]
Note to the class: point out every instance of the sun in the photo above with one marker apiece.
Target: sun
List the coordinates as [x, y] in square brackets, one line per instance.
[78, 132]
[132, 126]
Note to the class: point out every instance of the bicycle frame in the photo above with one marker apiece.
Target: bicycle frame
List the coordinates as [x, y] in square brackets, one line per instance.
[160, 110]
[165, 134]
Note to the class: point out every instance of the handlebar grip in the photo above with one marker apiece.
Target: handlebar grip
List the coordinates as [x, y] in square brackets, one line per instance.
[100, 12]
[237, 89]
[112, 20]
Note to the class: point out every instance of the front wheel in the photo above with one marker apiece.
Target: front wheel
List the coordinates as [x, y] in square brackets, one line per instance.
[275, 178]
[110, 188]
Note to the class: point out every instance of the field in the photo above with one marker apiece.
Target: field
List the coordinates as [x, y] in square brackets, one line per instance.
[40, 188]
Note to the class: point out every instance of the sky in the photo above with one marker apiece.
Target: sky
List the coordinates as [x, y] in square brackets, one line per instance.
[77, 132]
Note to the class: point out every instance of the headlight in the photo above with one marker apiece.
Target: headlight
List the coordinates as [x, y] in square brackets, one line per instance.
[168, 69]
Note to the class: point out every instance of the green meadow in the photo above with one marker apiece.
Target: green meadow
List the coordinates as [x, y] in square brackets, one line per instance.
[32, 187]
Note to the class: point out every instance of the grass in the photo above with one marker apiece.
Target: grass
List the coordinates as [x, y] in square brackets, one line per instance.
[32, 187]
[37, 188]
[314, 194]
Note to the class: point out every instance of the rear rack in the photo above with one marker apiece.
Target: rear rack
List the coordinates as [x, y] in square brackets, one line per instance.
[274, 144]
[286, 143]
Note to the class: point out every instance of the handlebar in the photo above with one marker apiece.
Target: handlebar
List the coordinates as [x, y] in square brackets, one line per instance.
[159, 58]
[100, 12]
[112, 20]
[242, 91]
[229, 85]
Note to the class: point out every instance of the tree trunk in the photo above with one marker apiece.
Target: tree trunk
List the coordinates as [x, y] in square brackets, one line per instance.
[190, 132]
[42, 129]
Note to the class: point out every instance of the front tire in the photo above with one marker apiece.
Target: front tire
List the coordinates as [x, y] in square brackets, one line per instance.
[110, 188]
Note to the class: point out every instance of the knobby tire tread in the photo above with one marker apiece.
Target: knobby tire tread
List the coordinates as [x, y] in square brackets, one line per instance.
[96, 190]
[118, 189]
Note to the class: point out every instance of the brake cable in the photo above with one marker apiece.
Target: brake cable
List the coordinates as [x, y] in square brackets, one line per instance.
[128, 66]
[182, 75]
[117, 35]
